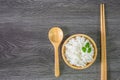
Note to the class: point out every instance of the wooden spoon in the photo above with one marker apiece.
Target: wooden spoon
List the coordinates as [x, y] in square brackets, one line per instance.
[55, 36]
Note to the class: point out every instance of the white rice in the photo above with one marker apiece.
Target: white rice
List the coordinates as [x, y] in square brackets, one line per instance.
[74, 53]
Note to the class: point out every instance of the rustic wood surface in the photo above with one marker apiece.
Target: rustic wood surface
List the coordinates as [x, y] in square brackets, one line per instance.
[27, 54]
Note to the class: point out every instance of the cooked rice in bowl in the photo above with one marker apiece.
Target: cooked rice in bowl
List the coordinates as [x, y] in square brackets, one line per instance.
[79, 51]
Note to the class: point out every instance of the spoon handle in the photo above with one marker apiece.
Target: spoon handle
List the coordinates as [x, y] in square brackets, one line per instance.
[57, 71]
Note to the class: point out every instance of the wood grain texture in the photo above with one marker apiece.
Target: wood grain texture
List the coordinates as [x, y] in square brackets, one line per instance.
[27, 54]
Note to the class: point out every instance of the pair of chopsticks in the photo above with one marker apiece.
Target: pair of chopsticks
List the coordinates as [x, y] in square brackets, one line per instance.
[103, 43]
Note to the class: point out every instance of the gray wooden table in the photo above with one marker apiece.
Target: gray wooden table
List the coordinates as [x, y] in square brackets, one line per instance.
[27, 54]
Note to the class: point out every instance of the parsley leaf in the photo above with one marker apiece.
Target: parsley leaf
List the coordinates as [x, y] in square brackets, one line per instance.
[83, 49]
[87, 45]
[89, 50]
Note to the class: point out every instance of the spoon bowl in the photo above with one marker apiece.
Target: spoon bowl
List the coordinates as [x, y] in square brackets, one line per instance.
[55, 35]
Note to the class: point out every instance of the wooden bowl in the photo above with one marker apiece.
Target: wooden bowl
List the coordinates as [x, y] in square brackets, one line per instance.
[88, 64]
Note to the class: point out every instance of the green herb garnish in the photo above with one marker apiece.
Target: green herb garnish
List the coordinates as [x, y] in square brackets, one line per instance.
[89, 50]
[83, 49]
[87, 45]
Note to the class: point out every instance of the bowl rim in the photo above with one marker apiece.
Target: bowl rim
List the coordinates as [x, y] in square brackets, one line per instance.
[95, 51]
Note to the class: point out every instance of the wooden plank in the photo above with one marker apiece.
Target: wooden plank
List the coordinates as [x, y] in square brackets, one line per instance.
[27, 54]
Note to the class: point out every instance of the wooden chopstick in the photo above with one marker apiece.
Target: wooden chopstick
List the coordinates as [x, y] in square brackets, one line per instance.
[103, 43]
